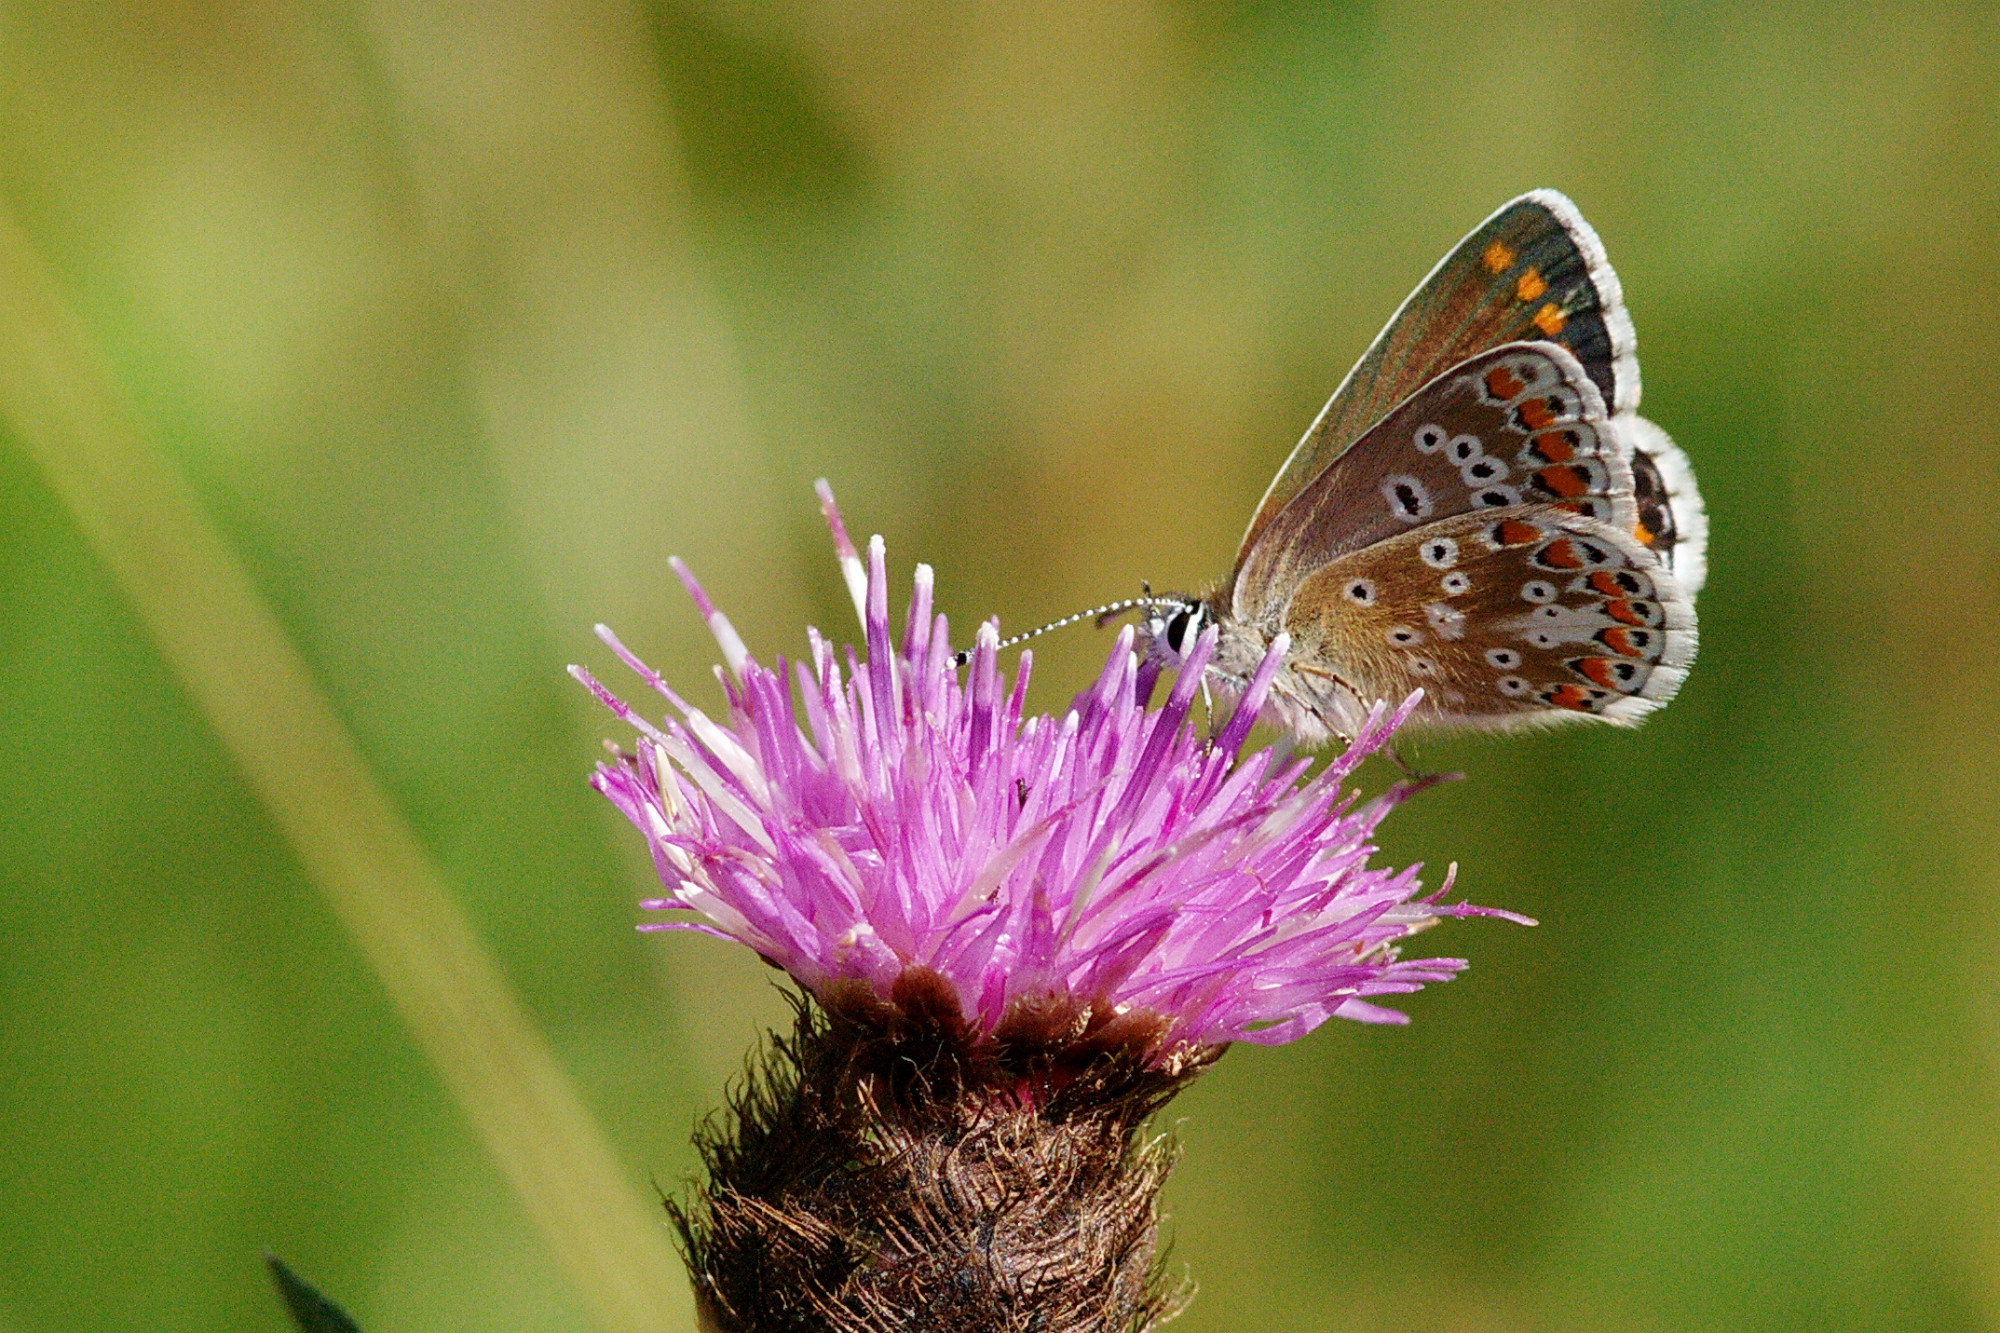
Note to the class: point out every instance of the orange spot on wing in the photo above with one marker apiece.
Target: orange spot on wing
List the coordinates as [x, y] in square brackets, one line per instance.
[1645, 534]
[1622, 610]
[1619, 641]
[1498, 258]
[1568, 482]
[1513, 532]
[1535, 412]
[1560, 554]
[1606, 584]
[1570, 696]
[1550, 320]
[1530, 286]
[1554, 446]
[1504, 384]
[1601, 670]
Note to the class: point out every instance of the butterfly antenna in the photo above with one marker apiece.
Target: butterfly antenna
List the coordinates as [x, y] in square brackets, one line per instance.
[1100, 614]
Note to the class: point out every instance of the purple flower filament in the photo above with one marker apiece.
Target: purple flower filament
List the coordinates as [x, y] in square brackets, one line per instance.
[853, 818]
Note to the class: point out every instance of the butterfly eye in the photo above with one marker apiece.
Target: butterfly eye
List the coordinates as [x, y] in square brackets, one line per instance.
[1183, 627]
[1429, 438]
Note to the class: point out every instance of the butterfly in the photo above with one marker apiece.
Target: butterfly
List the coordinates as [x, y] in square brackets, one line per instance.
[1479, 512]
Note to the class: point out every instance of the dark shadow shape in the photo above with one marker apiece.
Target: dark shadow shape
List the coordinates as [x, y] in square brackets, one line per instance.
[313, 1312]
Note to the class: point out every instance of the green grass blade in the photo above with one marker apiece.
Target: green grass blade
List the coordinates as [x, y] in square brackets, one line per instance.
[212, 626]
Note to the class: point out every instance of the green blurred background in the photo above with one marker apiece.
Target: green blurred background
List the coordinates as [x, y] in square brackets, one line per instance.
[462, 317]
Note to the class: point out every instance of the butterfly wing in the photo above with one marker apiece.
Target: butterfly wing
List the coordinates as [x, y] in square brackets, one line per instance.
[1533, 271]
[1506, 617]
[1672, 522]
[1522, 423]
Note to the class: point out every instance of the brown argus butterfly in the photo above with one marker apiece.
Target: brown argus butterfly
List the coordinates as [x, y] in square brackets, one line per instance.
[1478, 512]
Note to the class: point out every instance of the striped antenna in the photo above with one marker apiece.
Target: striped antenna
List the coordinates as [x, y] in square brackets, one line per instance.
[1098, 614]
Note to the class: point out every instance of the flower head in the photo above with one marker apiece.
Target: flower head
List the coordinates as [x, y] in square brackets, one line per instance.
[887, 818]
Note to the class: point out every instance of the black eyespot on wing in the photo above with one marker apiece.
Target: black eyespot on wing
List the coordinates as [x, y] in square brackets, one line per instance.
[1408, 498]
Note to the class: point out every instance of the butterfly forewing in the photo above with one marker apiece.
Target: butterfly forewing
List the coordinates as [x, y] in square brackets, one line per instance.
[1522, 423]
[1533, 271]
[1503, 617]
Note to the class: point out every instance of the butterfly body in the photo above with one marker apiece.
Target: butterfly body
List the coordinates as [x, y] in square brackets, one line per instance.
[1478, 512]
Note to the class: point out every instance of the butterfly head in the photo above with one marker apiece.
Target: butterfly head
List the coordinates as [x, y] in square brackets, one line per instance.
[1170, 628]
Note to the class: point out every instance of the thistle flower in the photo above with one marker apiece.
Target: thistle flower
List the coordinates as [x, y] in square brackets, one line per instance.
[1053, 921]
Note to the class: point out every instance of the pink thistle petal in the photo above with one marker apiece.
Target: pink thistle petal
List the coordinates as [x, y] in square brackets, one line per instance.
[854, 818]
[843, 550]
[726, 637]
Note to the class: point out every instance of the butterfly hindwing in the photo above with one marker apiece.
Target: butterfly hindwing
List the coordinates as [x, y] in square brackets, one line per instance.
[1506, 617]
[1522, 423]
[1533, 271]
[1669, 518]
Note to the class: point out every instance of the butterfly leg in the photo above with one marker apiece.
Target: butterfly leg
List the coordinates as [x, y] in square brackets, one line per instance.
[1403, 766]
[1414, 779]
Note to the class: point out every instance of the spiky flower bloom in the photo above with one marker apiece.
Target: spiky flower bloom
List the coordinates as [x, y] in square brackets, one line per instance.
[1023, 934]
